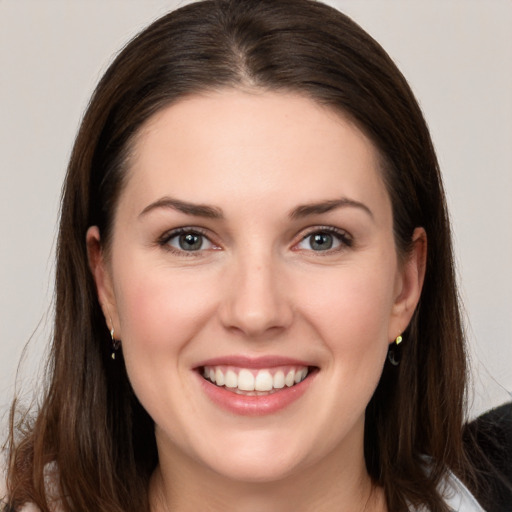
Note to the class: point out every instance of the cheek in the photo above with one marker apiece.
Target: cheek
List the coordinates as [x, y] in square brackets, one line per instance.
[352, 310]
[159, 309]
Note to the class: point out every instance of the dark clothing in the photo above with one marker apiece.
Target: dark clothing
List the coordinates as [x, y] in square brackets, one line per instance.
[489, 445]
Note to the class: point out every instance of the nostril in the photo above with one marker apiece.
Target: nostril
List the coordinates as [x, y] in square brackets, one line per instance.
[256, 301]
[253, 319]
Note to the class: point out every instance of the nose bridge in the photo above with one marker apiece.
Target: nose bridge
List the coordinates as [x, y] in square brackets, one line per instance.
[256, 301]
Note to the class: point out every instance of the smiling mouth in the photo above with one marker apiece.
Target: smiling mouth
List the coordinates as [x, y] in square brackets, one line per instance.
[255, 382]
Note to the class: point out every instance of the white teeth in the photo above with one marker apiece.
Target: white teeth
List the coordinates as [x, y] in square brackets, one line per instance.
[245, 380]
[300, 375]
[279, 380]
[264, 381]
[248, 381]
[231, 380]
[290, 378]
[219, 377]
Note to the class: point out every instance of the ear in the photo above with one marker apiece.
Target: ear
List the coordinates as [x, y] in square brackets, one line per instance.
[409, 284]
[103, 279]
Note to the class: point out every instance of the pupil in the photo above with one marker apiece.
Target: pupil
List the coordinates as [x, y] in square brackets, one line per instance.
[321, 242]
[190, 242]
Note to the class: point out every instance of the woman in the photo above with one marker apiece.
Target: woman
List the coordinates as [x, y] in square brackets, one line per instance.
[256, 307]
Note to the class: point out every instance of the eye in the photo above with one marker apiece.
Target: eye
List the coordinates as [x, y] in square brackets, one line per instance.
[186, 240]
[325, 239]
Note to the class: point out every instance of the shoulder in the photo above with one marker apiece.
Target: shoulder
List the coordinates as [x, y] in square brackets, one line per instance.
[457, 496]
[29, 507]
[488, 441]
[51, 475]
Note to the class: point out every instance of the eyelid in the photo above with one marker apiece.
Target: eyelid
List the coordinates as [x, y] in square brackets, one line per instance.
[164, 239]
[344, 237]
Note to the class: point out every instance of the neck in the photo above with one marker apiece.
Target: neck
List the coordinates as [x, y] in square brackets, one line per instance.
[330, 486]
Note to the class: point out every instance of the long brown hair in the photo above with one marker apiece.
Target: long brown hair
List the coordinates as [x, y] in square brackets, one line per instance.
[90, 424]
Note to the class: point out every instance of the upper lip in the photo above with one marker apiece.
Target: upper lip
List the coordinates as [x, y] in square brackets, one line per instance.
[239, 361]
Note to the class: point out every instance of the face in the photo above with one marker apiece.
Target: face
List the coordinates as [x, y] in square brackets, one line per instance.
[254, 282]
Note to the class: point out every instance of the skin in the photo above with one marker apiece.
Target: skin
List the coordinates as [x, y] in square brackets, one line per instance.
[256, 287]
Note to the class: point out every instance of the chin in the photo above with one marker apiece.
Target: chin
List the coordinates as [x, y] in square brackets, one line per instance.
[265, 456]
[265, 470]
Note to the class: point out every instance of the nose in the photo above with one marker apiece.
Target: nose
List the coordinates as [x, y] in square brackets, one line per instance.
[256, 302]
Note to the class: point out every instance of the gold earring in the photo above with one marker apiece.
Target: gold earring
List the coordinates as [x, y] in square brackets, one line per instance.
[115, 343]
[395, 352]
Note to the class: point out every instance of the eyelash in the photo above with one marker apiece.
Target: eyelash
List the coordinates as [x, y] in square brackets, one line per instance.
[164, 240]
[345, 240]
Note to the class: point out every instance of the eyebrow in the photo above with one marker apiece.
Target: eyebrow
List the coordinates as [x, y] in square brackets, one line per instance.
[327, 206]
[212, 212]
[197, 210]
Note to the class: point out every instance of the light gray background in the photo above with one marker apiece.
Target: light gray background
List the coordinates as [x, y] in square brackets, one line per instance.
[457, 55]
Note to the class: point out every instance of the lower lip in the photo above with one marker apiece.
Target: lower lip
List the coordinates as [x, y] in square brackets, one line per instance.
[255, 405]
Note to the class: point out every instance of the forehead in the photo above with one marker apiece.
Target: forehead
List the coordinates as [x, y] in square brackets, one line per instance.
[232, 143]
